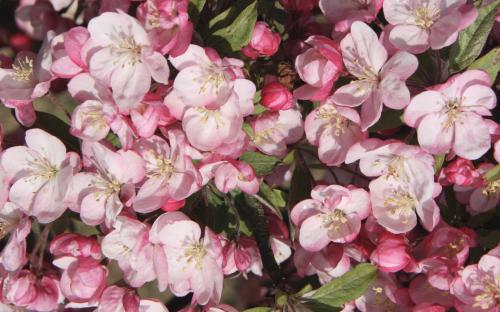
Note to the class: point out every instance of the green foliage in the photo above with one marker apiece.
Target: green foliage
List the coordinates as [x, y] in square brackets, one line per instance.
[490, 63]
[343, 289]
[472, 39]
[195, 8]
[232, 29]
[438, 162]
[261, 164]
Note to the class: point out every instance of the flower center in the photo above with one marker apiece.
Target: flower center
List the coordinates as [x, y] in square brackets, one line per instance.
[426, 16]
[195, 253]
[492, 188]
[212, 81]
[127, 51]
[491, 294]
[6, 226]
[401, 203]
[209, 114]
[335, 121]
[451, 110]
[333, 221]
[41, 168]
[23, 70]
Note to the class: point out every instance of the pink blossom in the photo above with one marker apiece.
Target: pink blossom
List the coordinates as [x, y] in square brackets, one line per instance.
[379, 80]
[476, 286]
[98, 114]
[334, 214]
[115, 298]
[421, 292]
[264, 42]
[420, 24]
[29, 79]
[461, 172]
[123, 58]
[40, 173]
[382, 295]
[13, 254]
[97, 194]
[167, 24]
[319, 67]
[229, 174]
[25, 290]
[397, 203]
[82, 280]
[194, 263]
[75, 245]
[391, 254]
[334, 129]
[242, 256]
[454, 110]
[170, 172]
[273, 131]
[343, 13]
[327, 263]
[70, 59]
[485, 197]
[150, 114]
[276, 96]
[129, 244]
[391, 158]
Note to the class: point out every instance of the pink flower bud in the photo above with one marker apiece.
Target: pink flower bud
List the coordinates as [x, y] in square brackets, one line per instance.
[69, 244]
[276, 96]
[263, 43]
[83, 280]
[461, 172]
[391, 255]
[118, 299]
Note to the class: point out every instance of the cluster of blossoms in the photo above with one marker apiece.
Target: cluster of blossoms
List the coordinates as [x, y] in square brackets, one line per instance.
[172, 135]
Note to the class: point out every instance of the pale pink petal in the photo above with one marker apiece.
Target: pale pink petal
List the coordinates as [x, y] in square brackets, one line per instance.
[428, 128]
[409, 38]
[422, 104]
[352, 94]
[402, 64]
[394, 92]
[472, 139]
[313, 236]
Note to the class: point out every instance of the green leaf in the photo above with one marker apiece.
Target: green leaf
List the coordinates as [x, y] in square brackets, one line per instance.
[274, 196]
[259, 109]
[229, 33]
[194, 10]
[248, 130]
[490, 63]
[390, 119]
[261, 164]
[492, 174]
[345, 288]
[438, 162]
[472, 39]
[114, 140]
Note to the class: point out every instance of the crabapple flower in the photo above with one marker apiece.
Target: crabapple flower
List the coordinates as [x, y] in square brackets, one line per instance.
[70, 59]
[75, 245]
[97, 194]
[454, 110]
[40, 173]
[275, 96]
[391, 158]
[391, 254]
[170, 172]
[98, 114]
[327, 263]
[28, 79]
[485, 197]
[242, 256]
[82, 280]
[12, 220]
[343, 13]
[229, 174]
[334, 129]
[194, 263]
[319, 67]
[334, 214]
[167, 24]
[461, 172]
[26, 290]
[420, 24]
[397, 203]
[476, 287]
[379, 80]
[422, 292]
[116, 298]
[264, 42]
[274, 130]
[129, 244]
[124, 59]
[384, 295]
